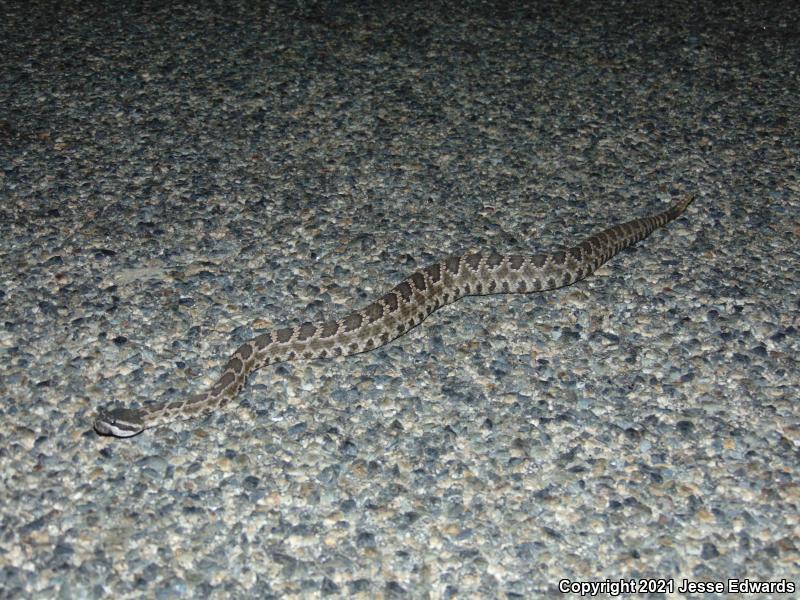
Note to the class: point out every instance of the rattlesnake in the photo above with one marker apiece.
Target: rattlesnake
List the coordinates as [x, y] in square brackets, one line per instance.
[392, 315]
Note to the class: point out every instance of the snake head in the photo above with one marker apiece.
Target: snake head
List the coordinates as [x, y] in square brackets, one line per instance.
[119, 422]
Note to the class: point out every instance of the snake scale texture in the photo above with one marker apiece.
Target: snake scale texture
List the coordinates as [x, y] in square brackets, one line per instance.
[393, 314]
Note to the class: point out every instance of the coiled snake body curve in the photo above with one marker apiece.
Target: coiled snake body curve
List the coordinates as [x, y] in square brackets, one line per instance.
[393, 314]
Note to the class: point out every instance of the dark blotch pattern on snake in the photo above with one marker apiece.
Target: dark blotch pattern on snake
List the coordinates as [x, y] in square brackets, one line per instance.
[393, 314]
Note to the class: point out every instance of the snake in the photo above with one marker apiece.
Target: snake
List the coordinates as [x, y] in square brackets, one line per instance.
[405, 306]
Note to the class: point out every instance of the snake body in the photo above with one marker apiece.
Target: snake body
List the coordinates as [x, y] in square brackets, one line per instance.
[393, 314]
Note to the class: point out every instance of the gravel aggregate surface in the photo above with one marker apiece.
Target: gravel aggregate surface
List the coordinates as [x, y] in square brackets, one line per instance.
[175, 179]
